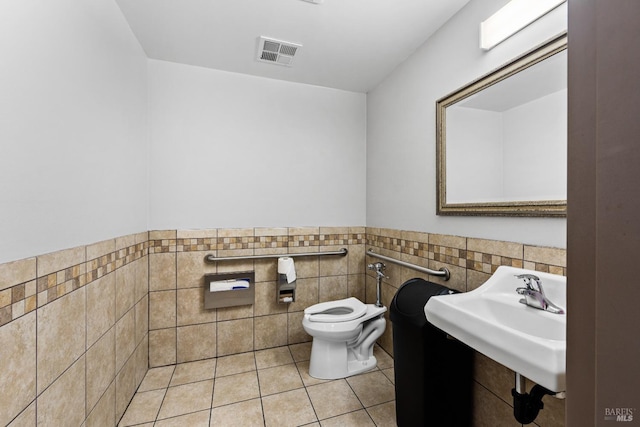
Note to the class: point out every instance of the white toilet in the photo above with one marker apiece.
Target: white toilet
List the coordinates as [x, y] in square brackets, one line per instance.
[344, 332]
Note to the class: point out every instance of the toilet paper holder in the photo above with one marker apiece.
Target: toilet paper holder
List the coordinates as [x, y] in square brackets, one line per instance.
[286, 290]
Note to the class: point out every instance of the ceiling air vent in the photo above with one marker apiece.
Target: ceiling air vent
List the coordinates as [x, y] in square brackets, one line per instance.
[277, 51]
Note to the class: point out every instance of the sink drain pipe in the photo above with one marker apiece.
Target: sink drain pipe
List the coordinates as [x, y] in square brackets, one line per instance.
[527, 405]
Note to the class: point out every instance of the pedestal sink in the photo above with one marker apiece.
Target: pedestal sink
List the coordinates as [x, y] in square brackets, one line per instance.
[492, 320]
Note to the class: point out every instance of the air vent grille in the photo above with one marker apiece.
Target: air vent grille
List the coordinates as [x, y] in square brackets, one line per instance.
[288, 50]
[269, 56]
[277, 51]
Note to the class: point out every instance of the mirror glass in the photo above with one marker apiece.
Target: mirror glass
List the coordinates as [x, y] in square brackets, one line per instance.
[502, 139]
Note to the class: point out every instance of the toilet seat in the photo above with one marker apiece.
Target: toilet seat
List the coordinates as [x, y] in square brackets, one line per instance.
[343, 310]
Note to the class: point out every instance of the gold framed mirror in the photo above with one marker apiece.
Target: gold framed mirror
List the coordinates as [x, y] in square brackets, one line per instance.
[501, 139]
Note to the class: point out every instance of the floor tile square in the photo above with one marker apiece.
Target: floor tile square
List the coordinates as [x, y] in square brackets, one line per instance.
[186, 398]
[372, 388]
[273, 357]
[333, 398]
[157, 378]
[384, 414]
[235, 388]
[242, 414]
[191, 372]
[279, 379]
[352, 419]
[235, 364]
[143, 408]
[291, 408]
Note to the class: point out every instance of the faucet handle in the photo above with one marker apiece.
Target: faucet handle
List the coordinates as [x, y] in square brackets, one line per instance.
[536, 297]
[528, 281]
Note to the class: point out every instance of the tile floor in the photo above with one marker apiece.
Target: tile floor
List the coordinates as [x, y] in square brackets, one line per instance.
[264, 388]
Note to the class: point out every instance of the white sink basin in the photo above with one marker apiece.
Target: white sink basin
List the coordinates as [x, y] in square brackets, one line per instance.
[491, 320]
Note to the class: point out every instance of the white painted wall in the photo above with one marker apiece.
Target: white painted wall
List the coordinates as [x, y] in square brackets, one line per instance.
[401, 129]
[227, 150]
[232, 150]
[72, 126]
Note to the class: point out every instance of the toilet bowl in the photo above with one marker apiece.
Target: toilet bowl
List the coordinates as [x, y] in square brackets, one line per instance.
[344, 332]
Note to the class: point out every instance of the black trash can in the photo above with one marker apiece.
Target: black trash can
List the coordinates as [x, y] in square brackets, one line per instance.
[433, 373]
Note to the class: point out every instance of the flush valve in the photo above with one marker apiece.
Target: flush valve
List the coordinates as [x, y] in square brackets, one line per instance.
[379, 268]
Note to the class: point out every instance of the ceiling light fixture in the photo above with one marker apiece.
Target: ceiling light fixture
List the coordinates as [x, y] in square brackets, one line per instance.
[513, 17]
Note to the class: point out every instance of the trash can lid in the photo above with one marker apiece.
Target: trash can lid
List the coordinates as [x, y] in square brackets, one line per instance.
[408, 303]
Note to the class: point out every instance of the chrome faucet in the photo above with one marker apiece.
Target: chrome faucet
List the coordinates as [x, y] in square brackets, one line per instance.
[534, 294]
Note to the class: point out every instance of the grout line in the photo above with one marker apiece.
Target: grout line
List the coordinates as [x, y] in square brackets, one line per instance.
[166, 390]
[175, 260]
[177, 416]
[213, 389]
[36, 345]
[86, 349]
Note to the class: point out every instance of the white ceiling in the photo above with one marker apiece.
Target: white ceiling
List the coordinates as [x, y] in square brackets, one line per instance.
[347, 44]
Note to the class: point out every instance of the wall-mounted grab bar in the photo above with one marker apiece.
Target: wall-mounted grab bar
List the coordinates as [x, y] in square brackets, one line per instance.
[443, 272]
[213, 258]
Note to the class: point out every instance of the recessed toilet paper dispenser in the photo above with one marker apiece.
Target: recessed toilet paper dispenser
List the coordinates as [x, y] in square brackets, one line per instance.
[286, 291]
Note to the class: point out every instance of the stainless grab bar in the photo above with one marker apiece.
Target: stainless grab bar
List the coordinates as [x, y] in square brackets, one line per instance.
[443, 272]
[213, 258]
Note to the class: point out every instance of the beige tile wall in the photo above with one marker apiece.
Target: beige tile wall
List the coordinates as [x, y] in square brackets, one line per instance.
[93, 319]
[181, 330]
[74, 333]
[471, 262]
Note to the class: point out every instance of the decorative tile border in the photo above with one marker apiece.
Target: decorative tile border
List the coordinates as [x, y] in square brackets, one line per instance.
[453, 256]
[254, 242]
[161, 246]
[55, 285]
[197, 244]
[303, 241]
[385, 242]
[489, 263]
[271, 242]
[481, 261]
[342, 239]
[24, 298]
[234, 243]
